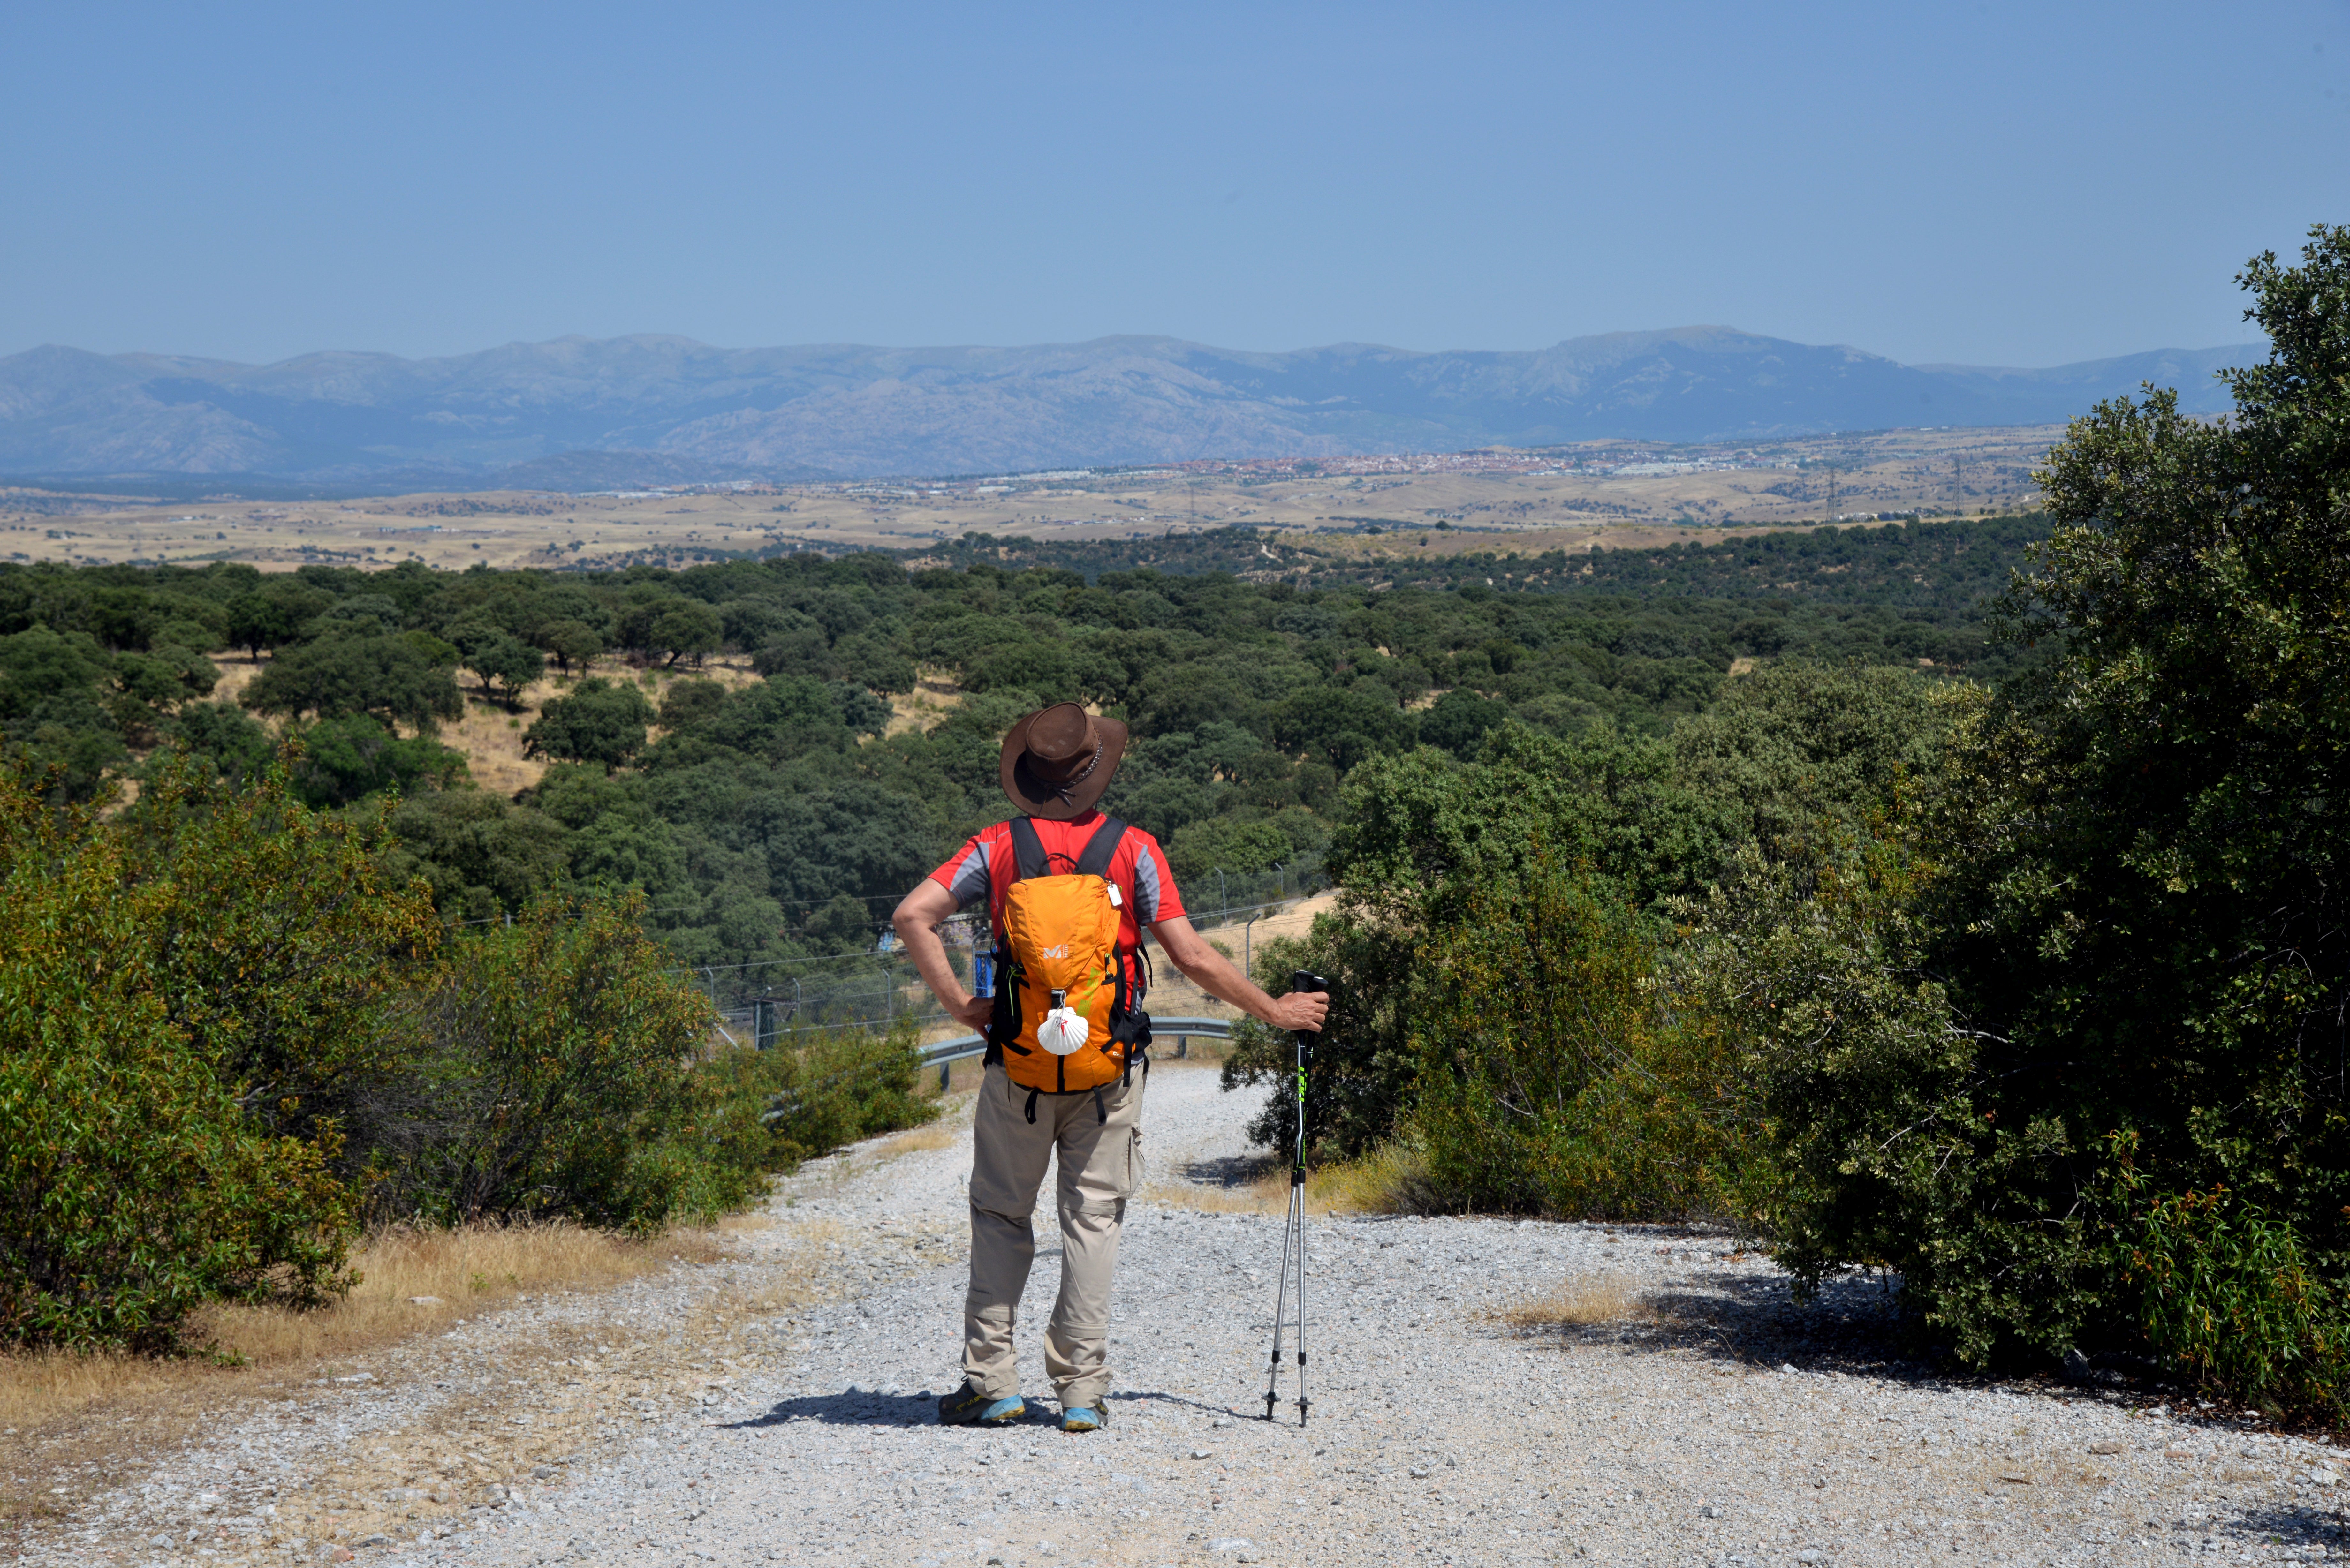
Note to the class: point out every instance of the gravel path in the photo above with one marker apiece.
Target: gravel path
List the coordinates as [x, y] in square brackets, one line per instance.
[778, 1408]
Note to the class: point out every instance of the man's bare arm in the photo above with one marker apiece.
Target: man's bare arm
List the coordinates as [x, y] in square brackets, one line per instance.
[916, 923]
[1217, 975]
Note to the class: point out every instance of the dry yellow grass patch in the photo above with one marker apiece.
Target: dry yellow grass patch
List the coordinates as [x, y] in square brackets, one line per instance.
[414, 1280]
[411, 1282]
[1382, 1183]
[1594, 1301]
[939, 1134]
[934, 696]
[490, 738]
[489, 733]
[237, 671]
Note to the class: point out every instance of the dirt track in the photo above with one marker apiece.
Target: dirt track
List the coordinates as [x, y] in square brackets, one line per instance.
[777, 1408]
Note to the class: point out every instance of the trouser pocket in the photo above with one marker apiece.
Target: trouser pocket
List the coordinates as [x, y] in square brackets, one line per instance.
[1137, 1168]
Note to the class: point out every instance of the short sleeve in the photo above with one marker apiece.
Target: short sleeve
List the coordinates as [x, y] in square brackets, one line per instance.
[964, 875]
[1155, 895]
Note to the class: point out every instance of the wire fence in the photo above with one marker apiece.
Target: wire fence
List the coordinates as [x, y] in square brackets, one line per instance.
[1216, 896]
[769, 1002]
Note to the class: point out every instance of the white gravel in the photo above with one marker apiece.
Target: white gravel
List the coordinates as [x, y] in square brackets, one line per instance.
[647, 1425]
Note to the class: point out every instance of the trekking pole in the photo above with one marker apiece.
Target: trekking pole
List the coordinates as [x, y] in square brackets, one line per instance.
[1292, 1236]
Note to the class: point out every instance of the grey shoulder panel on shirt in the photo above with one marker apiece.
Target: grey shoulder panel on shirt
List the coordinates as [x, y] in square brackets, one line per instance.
[971, 877]
[1145, 885]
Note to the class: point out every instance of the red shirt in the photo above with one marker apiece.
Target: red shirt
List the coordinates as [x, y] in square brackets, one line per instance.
[988, 864]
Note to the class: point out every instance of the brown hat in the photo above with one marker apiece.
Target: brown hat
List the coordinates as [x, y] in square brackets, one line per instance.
[1058, 760]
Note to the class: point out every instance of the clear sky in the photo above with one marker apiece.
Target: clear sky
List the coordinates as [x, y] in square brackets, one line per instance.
[1991, 183]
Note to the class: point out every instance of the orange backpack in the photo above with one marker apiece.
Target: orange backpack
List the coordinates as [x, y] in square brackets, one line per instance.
[1060, 952]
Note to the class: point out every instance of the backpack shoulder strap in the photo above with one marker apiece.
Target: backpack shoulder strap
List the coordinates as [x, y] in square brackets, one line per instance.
[1100, 848]
[1028, 858]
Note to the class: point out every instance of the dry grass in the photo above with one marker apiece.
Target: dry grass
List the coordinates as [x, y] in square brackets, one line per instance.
[583, 1380]
[1199, 1051]
[1598, 1301]
[849, 1165]
[939, 1134]
[490, 737]
[416, 1280]
[411, 1282]
[934, 696]
[490, 734]
[1389, 1180]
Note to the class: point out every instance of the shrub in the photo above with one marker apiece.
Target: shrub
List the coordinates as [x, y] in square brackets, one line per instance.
[554, 1076]
[273, 938]
[348, 759]
[1553, 1080]
[2134, 922]
[135, 1182]
[387, 676]
[833, 1087]
[2230, 1300]
[1363, 1068]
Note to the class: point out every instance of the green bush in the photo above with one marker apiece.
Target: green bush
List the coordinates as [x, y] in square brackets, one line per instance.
[348, 759]
[392, 678]
[1554, 1079]
[136, 1180]
[2128, 922]
[834, 1088]
[225, 1030]
[2231, 1303]
[552, 1071]
[1363, 1068]
[1862, 1089]
[600, 722]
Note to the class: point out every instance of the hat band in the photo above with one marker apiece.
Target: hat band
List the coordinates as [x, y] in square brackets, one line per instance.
[1064, 788]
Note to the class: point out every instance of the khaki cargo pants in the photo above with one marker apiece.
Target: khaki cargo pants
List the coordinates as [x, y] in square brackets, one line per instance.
[1100, 1165]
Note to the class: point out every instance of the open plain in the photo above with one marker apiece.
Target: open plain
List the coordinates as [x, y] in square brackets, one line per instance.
[1609, 494]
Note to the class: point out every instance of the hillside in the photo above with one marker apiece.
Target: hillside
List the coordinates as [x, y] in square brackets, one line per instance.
[580, 414]
[776, 750]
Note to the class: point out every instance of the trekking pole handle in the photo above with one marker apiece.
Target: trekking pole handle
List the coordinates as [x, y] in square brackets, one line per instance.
[1304, 980]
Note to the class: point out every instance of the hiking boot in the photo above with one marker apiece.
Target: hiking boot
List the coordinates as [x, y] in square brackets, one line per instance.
[1084, 1418]
[967, 1407]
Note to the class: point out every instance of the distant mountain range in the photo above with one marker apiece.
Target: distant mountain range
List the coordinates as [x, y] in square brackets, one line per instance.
[580, 414]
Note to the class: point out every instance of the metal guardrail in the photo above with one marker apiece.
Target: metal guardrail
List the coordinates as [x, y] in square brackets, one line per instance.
[947, 1052]
[944, 1055]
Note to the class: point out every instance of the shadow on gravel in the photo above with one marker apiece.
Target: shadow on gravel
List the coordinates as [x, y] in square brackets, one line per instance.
[1851, 1327]
[922, 1409]
[1230, 1171]
[2296, 1524]
[1141, 1399]
[855, 1409]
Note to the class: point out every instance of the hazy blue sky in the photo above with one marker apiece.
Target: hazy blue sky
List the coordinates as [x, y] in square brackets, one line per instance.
[2020, 183]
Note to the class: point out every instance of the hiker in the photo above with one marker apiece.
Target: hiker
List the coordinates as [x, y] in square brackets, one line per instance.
[1069, 894]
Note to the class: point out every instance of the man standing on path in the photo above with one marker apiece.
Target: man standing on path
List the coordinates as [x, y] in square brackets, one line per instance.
[1070, 893]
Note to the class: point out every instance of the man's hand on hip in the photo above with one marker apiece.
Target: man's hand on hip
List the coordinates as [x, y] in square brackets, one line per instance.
[976, 1010]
